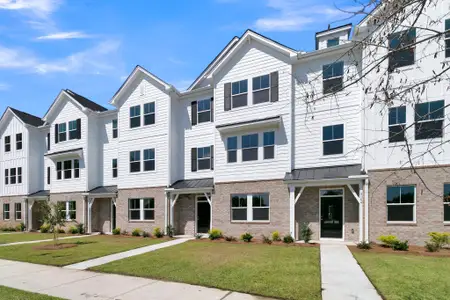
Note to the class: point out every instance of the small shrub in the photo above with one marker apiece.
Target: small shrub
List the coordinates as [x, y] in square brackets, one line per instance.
[306, 233]
[145, 234]
[80, 227]
[266, 239]
[45, 228]
[440, 239]
[170, 231]
[364, 245]
[400, 246]
[288, 239]
[158, 233]
[247, 237]
[276, 236]
[60, 230]
[230, 238]
[72, 230]
[116, 231]
[215, 234]
[20, 227]
[431, 247]
[388, 240]
[198, 236]
[136, 232]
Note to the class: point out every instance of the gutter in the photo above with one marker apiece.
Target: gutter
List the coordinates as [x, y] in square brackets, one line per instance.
[340, 48]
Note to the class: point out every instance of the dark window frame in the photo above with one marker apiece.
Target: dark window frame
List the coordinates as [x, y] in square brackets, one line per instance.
[149, 113]
[59, 175]
[400, 203]
[19, 141]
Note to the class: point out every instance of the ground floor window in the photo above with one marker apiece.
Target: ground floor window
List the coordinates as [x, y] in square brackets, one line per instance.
[18, 211]
[250, 207]
[5, 211]
[69, 209]
[401, 201]
[447, 202]
[141, 209]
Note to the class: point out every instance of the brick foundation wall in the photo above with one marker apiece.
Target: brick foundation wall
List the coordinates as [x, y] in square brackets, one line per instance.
[63, 197]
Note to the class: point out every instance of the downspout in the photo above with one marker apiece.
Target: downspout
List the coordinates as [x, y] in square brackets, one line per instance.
[366, 209]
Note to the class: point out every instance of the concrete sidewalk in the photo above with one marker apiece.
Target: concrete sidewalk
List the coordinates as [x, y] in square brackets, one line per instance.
[48, 240]
[342, 277]
[113, 257]
[73, 284]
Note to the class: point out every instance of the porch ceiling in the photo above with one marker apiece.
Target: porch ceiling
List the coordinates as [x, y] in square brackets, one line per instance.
[325, 173]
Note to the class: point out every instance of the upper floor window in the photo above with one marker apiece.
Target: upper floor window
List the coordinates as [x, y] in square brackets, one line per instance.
[67, 169]
[149, 113]
[62, 136]
[115, 129]
[402, 49]
[114, 168]
[447, 38]
[7, 143]
[232, 149]
[429, 120]
[135, 161]
[76, 168]
[73, 133]
[48, 141]
[149, 160]
[135, 116]
[59, 170]
[332, 42]
[397, 122]
[13, 175]
[269, 145]
[239, 91]
[447, 202]
[250, 147]
[6, 176]
[6, 211]
[261, 89]
[204, 158]
[401, 203]
[333, 139]
[19, 175]
[333, 75]
[19, 141]
[204, 111]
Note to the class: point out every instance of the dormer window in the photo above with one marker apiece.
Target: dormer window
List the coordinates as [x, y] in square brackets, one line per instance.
[62, 128]
[135, 116]
[332, 42]
[239, 91]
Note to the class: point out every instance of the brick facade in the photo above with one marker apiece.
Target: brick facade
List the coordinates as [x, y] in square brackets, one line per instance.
[429, 203]
[101, 215]
[12, 200]
[184, 215]
[122, 220]
[63, 197]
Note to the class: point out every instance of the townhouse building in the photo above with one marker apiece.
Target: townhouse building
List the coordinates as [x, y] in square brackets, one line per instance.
[260, 142]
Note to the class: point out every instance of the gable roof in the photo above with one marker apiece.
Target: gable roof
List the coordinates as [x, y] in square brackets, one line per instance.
[85, 102]
[27, 118]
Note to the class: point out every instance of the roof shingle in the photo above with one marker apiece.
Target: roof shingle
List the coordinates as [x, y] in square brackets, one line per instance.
[85, 102]
[28, 118]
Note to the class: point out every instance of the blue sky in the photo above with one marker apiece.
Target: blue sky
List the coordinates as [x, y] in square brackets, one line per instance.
[90, 46]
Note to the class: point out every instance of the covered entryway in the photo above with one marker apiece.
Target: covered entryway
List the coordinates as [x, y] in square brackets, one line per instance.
[332, 213]
[33, 211]
[203, 215]
[101, 203]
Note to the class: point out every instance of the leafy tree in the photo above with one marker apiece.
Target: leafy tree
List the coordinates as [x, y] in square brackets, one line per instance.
[54, 215]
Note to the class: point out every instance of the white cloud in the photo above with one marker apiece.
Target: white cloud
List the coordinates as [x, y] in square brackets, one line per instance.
[176, 61]
[65, 36]
[39, 8]
[4, 86]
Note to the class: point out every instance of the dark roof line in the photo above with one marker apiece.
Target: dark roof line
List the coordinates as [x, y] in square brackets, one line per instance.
[27, 118]
[85, 102]
[328, 172]
[193, 184]
[334, 28]
[109, 189]
[266, 37]
[41, 193]
[248, 122]
[63, 152]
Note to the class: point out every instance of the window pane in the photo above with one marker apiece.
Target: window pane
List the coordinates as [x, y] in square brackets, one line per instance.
[393, 194]
[327, 133]
[250, 154]
[269, 152]
[264, 200]
[332, 85]
[447, 192]
[204, 105]
[204, 116]
[135, 122]
[243, 86]
[249, 141]
[114, 123]
[232, 156]
[331, 192]
[338, 131]
[239, 101]
[407, 194]
[135, 155]
[261, 96]
[232, 143]
[149, 108]
[149, 154]
[235, 88]
[149, 119]
[256, 83]
[332, 42]
[256, 201]
[239, 214]
[332, 148]
[149, 214]
[149, 165]
[135, 111]
[135, 215]
[400, 213]
[447, 212]
[135, 167]
[260, 214]
[269, 138]
[436, 110]
[396, 133]
[149, 203]
[265, 81]
[204, 164]
[428, 130]
[235, 201]
[239, 200]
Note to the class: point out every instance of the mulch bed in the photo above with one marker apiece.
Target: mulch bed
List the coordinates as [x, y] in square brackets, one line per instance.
[55, 247]
[413, 250]
[256, 241]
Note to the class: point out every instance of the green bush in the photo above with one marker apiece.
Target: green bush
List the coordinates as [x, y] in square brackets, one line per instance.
[266, 239]
[400, 246]
[61, 230]
[306, 233]
[288, 239]
[158, 233]
[247, 237]
[116, 231]
[276, 236]
[198, 236]
[439, 239]
[388, 240]
[136, 232]
[170, 231]
[20, 227]
[230, 238]
[145, 234]
[215, 234]
[45, 228]
[431, 247]
[80, 228]
[364, 245]
[73, 230]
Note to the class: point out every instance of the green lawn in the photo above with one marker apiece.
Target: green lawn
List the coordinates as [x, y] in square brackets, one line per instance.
[13, 294]
[90, 247]
[24, 237]
[273, 271]
[409, 277]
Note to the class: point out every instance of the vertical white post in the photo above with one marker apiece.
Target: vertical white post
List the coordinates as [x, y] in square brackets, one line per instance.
[366, 210]
[111, 215]
[292, 210]
[171, 210]
[361, 201]
[166, 211]
[30, 215]
[90, 202]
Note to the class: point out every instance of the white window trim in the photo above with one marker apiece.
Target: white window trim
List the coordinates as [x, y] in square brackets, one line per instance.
[4, 147]
[135, 117]
[148, 114]
[11, 176]
[67, 206]
[116, 168]
[71, 130]
[9, 211]
[334, 77]
[262, 89]
[203, 111]
[21, 141]
[203, 158]
[141, 210]
[144, 160]
[134, 161]
[433, 120]
[238, 94]
[334, 140]
[115, 128]
[343, 212]
[249, 209]
[17, 211]
[246, 148]
[72, 170]
[272, 145]
[414, 221]
[234, 150]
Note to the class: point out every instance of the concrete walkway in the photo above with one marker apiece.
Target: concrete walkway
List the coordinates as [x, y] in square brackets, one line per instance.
[82, 285]
[48, 240]
[113, 257]
[342, 277]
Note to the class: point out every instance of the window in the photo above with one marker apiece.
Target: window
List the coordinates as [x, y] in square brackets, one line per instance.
[69, 209]
[114, 168]
[447, 202]
[239, 91]
[149, 113]
[261, 89]
[19, 175]
[6, 176]
[232, 149]
[7, 143]
[135, 116]
[400, 203]
[59, 170]
[62, 132]
[115, 129]
[204, 111]
[402, 53]
[250, 147]
[249, 208]
[12, 174]
[76, 168]
[333, 139]
[141, 209]
[48, 175]
[332, 42]
[149, 160]
[48, 141]
[397, 122]
[204, 158]
[269, 145]
[135, 161]
[73, 132]
[18, 211]
[19, 141]
[67, 169]
[429, 120]
[5, 211]
[447, 38]
[333, 75]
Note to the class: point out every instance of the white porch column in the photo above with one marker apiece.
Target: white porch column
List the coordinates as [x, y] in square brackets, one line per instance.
[166, 211]
[366, 210]
[30, 214]
[361, 227]
[173, 201]
[292, 210]
[90, 203]
[210, 210]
